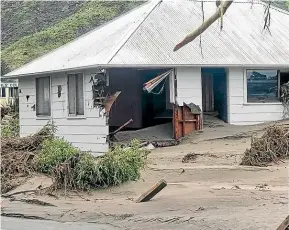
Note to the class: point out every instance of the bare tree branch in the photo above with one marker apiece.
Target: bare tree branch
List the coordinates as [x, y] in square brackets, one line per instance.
[267, 20]
[221, 10]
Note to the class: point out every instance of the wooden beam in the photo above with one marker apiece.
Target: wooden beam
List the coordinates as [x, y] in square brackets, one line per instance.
[154, 190]
[285, 224]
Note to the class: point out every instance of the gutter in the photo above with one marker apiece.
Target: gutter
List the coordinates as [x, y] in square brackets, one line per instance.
[263, 66]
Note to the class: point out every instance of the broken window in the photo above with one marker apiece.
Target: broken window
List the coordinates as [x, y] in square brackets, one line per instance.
[263, 86]
[43, 103]
[75, 94]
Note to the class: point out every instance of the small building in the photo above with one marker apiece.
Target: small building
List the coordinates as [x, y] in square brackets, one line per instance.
[9, 92]
[126, 70]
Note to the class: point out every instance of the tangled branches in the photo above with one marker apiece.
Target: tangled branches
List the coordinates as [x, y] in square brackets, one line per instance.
[17, 155]
[272, 146]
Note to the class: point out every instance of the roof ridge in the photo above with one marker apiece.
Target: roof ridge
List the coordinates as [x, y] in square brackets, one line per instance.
[133, 30]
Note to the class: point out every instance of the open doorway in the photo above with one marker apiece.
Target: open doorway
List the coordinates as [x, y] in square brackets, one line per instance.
[146, 99]
[214, 96]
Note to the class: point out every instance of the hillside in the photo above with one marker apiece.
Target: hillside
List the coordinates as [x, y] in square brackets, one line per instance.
[33, 28]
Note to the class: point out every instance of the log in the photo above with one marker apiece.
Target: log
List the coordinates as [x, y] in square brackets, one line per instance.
[285, 224]
[154, 190]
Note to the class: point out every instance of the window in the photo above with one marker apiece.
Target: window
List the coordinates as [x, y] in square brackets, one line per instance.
[3, 92]
[263, 86]
[43, 104]
[75, 95]
[13, 92]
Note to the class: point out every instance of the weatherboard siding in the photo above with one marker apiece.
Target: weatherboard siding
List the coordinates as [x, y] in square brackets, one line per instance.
[189, 85]
[242, 113]
[88, 133]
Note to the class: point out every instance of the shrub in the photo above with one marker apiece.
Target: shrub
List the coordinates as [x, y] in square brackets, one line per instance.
[53, 152]
[115, 167]
[11, 128]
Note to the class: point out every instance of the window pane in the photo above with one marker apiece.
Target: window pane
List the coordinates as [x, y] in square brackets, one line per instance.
[72, 94]
[79, 95]
[43, 106]
[46, 82]
[262, 86]
[3, 92]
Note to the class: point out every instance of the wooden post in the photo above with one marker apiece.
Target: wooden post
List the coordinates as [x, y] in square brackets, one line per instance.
[154, 190]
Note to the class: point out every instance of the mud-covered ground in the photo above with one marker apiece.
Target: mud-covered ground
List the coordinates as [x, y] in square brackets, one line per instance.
[212, 191]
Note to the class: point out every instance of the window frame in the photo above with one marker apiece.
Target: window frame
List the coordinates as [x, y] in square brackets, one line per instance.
[277, 102]
[75, 116]
[50, 98]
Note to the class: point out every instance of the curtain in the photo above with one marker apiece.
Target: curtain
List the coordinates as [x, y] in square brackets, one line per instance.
[43, 96]
[79, 95]
[71, 94]
[75, 94]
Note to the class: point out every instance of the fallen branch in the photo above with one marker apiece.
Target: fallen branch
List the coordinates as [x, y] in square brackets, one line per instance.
[192, 36]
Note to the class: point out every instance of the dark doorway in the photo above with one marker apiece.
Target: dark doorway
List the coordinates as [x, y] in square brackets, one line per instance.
[151, 111]
[284, 77]
[214, 92]
[156, 104]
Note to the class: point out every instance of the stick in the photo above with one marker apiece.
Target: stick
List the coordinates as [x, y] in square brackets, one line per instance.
[120, 128]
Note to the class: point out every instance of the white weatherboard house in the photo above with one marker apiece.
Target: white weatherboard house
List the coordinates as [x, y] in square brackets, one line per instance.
[238, 71]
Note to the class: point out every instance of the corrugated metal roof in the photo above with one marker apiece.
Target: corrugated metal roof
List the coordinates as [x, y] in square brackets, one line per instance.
[242, 40]
[147, 35]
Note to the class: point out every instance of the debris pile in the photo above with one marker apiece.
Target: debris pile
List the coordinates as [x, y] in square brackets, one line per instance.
[272, 146]
[17, 155]
[190, 157]
[69, 167]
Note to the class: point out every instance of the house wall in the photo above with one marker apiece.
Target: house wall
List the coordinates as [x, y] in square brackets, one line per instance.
[189, 85]
[189, 89]
[243, 113]
[87, 133]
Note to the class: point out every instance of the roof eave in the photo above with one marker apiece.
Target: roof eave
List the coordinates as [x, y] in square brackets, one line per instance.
[265, 66]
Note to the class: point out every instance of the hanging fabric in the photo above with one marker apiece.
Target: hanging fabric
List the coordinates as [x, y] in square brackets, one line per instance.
[153, 83]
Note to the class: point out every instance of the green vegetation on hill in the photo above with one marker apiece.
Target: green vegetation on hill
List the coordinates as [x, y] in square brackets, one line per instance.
[88, 16]
[22, 18]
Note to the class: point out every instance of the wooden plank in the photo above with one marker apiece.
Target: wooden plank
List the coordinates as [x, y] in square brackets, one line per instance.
[154, 190]
[284, 225]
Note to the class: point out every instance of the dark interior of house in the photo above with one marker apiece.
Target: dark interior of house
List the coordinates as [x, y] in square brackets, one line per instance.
[146, 109]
